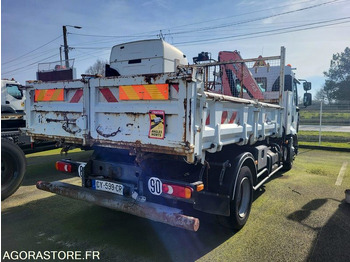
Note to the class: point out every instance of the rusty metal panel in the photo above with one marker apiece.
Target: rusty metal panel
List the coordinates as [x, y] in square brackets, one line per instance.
[122, 123]
[57, 110]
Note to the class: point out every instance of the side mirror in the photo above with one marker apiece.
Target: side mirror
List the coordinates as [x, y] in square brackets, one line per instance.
[307, 99]
[307, 86]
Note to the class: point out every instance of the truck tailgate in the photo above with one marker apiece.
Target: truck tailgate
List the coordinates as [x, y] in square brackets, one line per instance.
[144, 112]
[139, 112]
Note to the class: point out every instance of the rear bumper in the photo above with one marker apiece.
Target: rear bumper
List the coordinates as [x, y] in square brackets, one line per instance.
[152, 211]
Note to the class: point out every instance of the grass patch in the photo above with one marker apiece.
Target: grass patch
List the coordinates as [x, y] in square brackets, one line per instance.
[53, 152]
[317, 171]
[329, 137]
[316, 114]
[327, 144]
[313, 117]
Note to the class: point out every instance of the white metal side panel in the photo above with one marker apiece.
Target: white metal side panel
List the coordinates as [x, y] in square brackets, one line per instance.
[53, 119]
[230, 120]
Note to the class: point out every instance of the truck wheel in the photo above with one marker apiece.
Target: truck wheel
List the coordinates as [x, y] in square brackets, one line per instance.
[242, 201]
[288, 155]
[13, 167]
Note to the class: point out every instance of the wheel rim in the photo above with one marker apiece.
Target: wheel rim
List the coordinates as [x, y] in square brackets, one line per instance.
[244, 201]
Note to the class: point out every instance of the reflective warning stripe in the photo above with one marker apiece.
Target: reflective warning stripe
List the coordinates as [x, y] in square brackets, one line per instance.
[144, 92]
[43, 95]
[223, 116]
[108, 95]
[233, 117]
[77, 95]
[176, 87]
[228, 117]
[207, 121]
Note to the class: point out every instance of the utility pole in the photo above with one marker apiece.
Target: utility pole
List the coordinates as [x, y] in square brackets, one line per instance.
[320, 129]
[65, 44]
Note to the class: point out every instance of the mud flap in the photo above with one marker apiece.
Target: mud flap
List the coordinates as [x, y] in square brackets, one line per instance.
[212, 203]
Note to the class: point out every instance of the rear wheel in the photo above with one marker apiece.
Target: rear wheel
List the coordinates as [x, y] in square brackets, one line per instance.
[288, 155]
[13, 167]
[241, 202]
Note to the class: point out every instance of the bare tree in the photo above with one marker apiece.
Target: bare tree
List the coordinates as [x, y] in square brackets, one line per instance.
[322, 94]
[98, 67]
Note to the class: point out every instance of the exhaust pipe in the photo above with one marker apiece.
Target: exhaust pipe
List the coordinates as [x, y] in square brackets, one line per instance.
[159, 213]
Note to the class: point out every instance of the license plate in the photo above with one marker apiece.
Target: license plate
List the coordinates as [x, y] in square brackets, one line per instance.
[108, 186]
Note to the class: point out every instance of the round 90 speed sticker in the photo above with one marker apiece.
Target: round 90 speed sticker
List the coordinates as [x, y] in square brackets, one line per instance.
[155, 186]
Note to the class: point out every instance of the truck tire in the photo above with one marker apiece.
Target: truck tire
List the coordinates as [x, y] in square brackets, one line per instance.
[13, 167]
[241, 202]
[288, 155]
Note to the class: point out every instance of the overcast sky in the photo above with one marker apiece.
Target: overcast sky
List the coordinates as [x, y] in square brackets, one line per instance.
[311, 31]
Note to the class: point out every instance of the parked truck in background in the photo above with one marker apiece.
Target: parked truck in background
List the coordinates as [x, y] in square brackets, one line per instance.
[165, 132]
[12, 97]
[13, 162]
[13, 141]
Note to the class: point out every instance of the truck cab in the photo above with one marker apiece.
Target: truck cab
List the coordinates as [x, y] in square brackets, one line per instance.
[268, 79]
[12, 97]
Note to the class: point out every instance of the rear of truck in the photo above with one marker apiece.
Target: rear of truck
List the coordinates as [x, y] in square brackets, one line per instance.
[139, 127]
[160, 136]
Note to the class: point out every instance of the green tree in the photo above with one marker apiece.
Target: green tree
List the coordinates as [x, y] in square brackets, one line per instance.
[337, 85]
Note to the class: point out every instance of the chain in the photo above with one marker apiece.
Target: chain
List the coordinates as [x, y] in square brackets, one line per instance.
[107, 135]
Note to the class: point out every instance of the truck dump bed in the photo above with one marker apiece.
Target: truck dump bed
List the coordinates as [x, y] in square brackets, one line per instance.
[166, 113]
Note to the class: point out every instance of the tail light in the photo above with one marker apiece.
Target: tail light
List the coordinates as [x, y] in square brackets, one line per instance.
[177, 191]
[63, 166]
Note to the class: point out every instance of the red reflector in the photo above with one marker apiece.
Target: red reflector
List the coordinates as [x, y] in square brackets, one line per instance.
[63, 166]
[178, 191]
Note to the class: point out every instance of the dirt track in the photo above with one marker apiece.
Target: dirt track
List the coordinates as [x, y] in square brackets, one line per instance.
[297, 216]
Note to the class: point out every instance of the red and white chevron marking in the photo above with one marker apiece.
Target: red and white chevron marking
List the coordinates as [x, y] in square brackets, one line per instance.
[78, 94]
[109, 95]
[227, 117]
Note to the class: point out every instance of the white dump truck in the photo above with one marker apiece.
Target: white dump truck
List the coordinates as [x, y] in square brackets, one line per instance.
[165, 132]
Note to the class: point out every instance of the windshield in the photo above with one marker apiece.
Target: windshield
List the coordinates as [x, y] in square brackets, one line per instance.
[14, 91]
